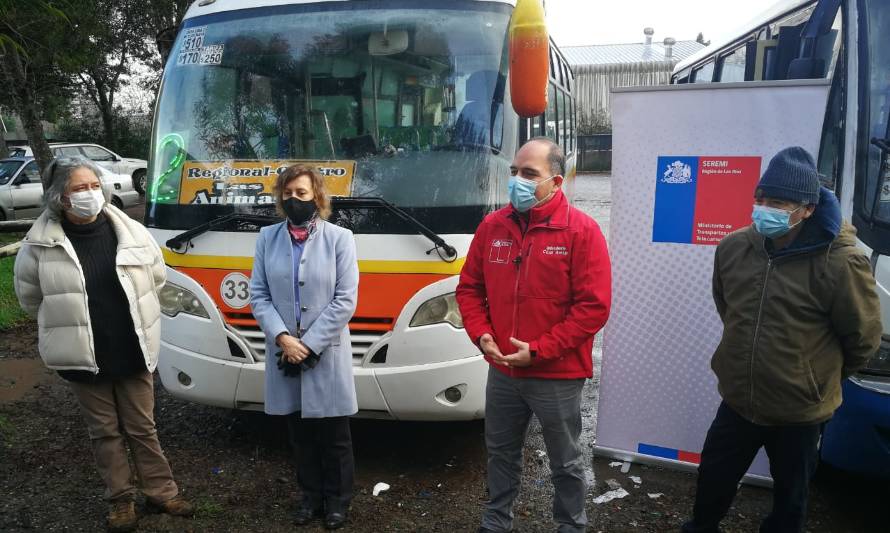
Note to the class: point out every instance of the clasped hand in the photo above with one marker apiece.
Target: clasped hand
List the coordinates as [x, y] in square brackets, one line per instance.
[521, 358]
[292, 349]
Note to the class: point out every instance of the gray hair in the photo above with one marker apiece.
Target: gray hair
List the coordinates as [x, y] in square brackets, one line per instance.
[556, 158]
[55, 181]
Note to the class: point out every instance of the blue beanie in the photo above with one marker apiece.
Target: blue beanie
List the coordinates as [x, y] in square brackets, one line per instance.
[791, 175]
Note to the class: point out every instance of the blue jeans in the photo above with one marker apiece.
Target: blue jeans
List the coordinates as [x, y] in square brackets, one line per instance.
[729, 449]
[509, 405]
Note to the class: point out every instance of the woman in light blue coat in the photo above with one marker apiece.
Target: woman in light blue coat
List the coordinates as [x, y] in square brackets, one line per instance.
[304, 289]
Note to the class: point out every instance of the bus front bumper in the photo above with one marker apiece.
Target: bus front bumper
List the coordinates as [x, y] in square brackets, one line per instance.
[857, 438]
[451, 390]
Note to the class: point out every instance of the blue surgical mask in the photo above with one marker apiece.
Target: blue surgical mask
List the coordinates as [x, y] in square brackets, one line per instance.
[772, 222]
[522, 192]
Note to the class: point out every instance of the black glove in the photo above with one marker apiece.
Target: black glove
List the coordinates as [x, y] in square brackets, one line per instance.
[290, 370]
[311, 360]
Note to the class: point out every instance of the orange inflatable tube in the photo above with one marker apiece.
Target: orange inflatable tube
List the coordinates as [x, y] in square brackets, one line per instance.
[529, 58]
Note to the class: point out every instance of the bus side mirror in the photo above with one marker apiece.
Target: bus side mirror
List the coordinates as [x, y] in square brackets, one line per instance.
[529, 58]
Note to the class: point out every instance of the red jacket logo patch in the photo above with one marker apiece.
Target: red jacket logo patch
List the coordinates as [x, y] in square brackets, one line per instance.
[500, 251]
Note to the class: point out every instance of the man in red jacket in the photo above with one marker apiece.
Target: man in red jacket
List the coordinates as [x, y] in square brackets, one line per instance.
[535, 289]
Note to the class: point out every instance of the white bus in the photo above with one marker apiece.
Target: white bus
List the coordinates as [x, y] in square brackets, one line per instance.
[404, 106]
[846, 42]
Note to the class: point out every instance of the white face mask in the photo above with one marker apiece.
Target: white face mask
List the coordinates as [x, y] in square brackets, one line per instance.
[86, 204]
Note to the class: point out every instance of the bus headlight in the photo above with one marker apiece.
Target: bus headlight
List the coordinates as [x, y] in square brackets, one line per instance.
[437, 310]
[174, 300]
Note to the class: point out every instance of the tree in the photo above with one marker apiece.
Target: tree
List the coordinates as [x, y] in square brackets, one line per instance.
[110, 38]
[32, 36]
[117, 34]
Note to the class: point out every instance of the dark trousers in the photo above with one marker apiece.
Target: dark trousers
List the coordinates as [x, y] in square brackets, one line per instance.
[509, 405]
[325, 465]
[729, 449]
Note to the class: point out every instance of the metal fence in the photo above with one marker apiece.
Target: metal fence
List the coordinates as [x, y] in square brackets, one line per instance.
[595, 153]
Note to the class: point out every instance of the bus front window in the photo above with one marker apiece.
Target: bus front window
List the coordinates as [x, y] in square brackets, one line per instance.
[408, 104]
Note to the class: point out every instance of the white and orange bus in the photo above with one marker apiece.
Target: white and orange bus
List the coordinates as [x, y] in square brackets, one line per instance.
[405, 107]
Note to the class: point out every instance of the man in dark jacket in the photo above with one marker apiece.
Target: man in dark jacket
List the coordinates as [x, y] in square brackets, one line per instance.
[536, 286]
[800, 313]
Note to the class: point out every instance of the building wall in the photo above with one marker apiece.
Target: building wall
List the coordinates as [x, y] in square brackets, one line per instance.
[593, 83]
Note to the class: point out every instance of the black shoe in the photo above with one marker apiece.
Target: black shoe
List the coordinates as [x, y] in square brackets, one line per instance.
[335, 520]
[486, 530]
[305, 514]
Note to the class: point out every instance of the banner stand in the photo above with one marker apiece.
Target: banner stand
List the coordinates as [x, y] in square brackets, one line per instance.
[686, 161]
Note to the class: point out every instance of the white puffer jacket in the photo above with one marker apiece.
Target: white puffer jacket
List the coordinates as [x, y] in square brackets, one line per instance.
[50, 285]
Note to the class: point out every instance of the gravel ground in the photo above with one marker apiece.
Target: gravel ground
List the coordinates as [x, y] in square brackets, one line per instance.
[238, 470]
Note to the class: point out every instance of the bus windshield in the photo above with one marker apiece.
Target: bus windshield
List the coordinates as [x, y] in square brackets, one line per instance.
[403, 104]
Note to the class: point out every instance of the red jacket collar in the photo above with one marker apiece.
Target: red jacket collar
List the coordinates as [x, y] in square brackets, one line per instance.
[554, 213]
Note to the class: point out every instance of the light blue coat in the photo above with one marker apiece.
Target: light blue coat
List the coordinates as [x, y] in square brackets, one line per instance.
[328, 274]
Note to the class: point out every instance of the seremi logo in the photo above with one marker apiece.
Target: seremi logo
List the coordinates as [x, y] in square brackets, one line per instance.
[677, 172]
[500, 251]
[699, 200]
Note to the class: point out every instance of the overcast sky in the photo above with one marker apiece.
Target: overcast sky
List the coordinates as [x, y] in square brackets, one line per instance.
[579, 22]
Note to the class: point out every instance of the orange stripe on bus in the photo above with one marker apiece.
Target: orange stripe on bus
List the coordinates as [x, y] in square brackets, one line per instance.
[381, 297]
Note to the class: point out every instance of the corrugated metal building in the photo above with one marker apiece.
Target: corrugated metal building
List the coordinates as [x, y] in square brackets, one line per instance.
[599, 68]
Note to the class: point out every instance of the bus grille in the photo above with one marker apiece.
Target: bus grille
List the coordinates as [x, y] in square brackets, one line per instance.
[364, 332]
[254, 337]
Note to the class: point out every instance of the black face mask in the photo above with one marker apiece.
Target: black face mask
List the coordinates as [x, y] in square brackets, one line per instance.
[299, 211]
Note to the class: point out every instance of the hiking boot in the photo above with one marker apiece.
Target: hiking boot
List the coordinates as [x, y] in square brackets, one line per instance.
[306, 513]
[335, 519]
[175, 506]
[122, 516]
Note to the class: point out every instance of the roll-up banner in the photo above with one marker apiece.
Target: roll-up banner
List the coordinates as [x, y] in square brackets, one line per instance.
[686, 159]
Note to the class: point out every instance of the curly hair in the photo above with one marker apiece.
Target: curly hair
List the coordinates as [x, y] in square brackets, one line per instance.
[322, 200]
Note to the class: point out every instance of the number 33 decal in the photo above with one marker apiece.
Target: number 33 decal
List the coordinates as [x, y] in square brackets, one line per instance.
[235, 290]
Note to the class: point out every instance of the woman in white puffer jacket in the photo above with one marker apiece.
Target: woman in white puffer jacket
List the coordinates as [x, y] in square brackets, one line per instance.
[90, 275]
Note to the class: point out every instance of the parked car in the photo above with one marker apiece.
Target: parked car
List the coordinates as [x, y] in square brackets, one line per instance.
[21, 191]
[135, 168]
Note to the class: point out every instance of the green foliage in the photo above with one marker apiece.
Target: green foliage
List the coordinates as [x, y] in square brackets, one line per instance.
[10, 312]
[132, 133]
[64, 49]
[207, 508]
[7, 429]
[592, 122]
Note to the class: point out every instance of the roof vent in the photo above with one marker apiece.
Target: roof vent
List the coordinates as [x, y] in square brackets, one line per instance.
[648, 32]
[669, 43]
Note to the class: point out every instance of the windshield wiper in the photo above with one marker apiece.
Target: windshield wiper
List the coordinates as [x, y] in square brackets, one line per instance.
[218, 222]
[366, 202]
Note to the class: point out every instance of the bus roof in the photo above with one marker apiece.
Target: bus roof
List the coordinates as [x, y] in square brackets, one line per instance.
[778, 10]
[219, 6]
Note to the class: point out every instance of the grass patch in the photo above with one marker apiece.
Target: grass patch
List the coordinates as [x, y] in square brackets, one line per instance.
[205, 508]
[9, 238]
[10, 312]
[6, 429]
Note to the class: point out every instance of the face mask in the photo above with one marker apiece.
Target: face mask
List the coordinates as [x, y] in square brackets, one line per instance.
[86, 204]
[772, 222]
[522, 192]
[299, 211]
